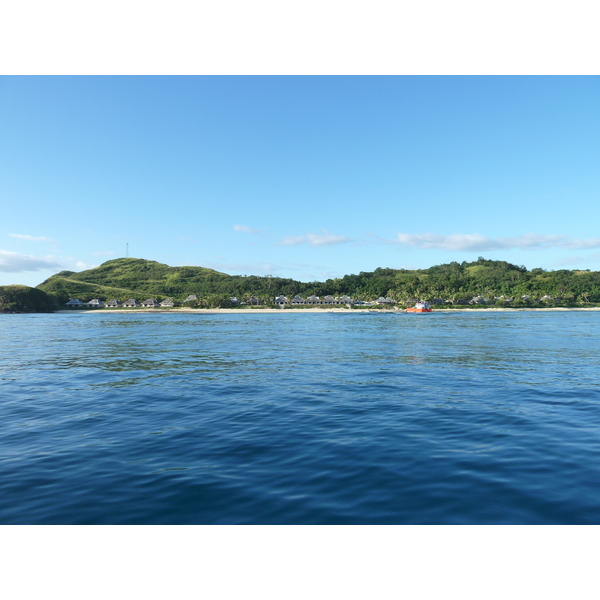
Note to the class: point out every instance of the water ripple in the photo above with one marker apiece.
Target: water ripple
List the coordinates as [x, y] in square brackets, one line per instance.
[451, 418]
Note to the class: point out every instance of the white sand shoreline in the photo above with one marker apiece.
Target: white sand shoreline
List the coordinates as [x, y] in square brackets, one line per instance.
[246, 311]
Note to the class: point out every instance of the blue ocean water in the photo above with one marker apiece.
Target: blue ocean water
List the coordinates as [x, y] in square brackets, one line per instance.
[442, 418]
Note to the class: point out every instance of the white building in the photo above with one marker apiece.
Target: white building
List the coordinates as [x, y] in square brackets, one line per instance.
[168, 303]
[150, 303]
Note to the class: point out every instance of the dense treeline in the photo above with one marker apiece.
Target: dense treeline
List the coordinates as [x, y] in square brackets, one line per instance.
[499, 282]
[24, 299]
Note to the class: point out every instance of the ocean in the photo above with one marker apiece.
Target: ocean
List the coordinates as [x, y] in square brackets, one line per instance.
[290, 418]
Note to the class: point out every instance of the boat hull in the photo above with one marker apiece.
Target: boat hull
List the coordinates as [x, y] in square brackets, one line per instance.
[418, 310]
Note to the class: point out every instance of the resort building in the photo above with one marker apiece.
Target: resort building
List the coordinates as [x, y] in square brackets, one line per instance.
[168, 303]
[75, 303]
[298, 300]
[329, 300]
[281, 300]
[131, 303]
[113, 303]
[95, 303]
[191, 298]
[150, 303]
[313, 300]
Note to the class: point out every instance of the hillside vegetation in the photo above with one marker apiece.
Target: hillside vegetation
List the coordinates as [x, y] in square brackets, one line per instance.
[499, 282]
[24, 299]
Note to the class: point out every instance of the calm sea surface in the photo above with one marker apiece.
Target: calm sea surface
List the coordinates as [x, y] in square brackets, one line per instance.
[326, 418]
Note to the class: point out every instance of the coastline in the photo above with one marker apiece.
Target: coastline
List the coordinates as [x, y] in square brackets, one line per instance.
[246, 311]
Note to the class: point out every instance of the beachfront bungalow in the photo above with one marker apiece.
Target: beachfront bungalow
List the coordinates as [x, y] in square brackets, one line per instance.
[329, 300]
[234, 300]
[95, 303]
[382, 300]
[298, 300]
[313, 300]
[281, 300]
[75, 303]
[345, 300]
[546, 298]
[253, 301]
[150, 303]
[191, 298]
[131, 303]
[114, 303]
[168, 303]
[479, 300]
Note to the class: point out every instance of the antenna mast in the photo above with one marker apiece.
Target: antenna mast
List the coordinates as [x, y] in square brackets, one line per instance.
[127, 250]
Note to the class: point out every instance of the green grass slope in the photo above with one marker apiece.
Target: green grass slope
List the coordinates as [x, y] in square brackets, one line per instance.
[64, 288]
[125, 278]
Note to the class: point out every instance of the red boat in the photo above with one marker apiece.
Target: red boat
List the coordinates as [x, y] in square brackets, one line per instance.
[420, 307]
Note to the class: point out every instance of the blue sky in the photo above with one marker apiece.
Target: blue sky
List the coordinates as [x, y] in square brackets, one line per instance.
[303, 177]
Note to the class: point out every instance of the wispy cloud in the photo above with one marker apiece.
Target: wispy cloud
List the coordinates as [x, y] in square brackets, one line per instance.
[315, 239]
[13, 262]
[475, 242]
[577, 260]
[246, 229]
[30, 238]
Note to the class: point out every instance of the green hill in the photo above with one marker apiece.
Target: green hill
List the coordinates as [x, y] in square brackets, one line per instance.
[453, 282]
[125, 278]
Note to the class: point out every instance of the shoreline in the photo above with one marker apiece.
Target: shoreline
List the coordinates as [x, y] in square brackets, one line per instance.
[246, 311]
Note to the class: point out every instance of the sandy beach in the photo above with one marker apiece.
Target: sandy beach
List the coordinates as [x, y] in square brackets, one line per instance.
[246, 311]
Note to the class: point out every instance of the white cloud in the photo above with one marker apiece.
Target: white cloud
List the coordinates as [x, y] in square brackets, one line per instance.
[476, 242]
[246, 229]
[13, 262]
[30, 238]
[315, 239]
